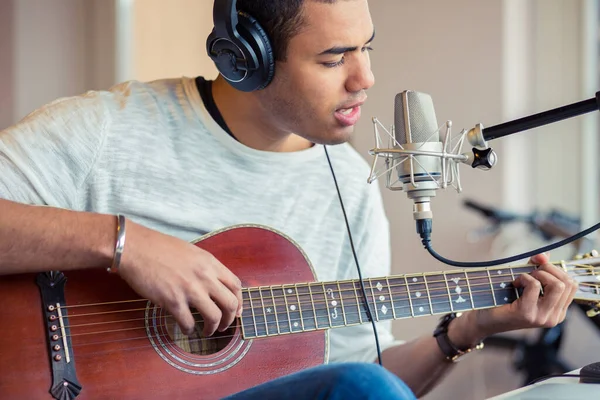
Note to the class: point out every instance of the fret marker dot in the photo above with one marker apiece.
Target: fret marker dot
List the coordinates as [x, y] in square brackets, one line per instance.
[269, 309]
[290, 291]
[415, 279]
[379, 286]
[418, 294]
[499, 272]
[295, 324]
[384, 309]
[421, 309]
[506, 299]
[381, 298]
[292, 307]
[458, 290]
[334, 303]
[503, 285]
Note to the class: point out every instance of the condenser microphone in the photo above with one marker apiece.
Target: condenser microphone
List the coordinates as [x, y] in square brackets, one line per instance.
[416, 130]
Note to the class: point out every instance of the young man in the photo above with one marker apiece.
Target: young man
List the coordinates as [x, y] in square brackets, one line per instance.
[182, 157]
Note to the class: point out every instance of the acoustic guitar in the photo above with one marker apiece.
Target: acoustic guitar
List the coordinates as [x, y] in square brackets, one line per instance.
[87, 335]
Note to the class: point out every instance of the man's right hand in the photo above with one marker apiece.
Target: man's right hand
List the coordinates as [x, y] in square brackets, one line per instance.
[177, 275]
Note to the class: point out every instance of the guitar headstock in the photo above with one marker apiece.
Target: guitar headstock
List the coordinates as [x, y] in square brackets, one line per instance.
[585, 269]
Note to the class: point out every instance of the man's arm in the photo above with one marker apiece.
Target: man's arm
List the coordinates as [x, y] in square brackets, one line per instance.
[35, 238]
[170, 272]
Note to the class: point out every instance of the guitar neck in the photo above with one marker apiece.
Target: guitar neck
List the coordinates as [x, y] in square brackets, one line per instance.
[284, 309]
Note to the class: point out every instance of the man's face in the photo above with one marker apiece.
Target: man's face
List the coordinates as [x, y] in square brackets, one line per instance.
[318, 90]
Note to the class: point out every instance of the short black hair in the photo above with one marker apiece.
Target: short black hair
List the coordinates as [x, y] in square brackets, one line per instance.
[281, 20]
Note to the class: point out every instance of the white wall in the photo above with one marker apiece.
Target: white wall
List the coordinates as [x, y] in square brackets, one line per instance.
[53, 49]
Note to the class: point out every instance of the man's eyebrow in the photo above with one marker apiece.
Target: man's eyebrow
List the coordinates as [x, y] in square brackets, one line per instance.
[342, 50]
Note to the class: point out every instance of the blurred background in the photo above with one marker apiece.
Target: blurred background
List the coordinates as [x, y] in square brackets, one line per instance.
[481, 61]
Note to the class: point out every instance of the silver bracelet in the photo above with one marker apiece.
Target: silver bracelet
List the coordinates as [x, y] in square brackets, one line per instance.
[119, 245]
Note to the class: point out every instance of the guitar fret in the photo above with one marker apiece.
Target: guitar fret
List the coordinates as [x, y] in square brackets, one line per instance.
[482, 295]
[412, 309]
[332, 302]
[513, 278]
[312, 301]
[470, 291]
[387, 281]
[502, 287]
[299, 307]
[358, 307]
[401, 299]
[449, 295]
[264, 310]
[245, 333]
[350, 307]
[374, 300]
[275, 310]
[421, 305]
[287, 308]
[326, 304]
[428, 294]
[342, 303]
[459, 303]
[438, 290]
[491, 287]
[256, 331]
[293, 310]
[308, 314]
[322, 313]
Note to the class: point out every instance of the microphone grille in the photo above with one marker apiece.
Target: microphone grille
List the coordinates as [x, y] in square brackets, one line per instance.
[414, 118]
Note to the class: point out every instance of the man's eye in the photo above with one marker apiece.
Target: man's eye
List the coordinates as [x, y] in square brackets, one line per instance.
[334, 64]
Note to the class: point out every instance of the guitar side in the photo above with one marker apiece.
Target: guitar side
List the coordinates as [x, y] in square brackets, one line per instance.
[122, 349]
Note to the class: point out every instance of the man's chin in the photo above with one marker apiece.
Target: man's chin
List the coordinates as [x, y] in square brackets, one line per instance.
[333, 137]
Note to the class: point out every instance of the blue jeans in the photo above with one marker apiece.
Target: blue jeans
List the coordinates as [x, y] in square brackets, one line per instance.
[332, 382]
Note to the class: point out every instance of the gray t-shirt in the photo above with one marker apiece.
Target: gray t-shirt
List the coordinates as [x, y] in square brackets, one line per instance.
[152, 152]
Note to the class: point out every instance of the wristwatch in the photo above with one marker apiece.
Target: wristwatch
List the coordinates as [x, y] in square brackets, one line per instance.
[451, 352]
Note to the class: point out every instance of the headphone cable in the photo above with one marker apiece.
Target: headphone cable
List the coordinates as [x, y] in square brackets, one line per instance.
[362, 286]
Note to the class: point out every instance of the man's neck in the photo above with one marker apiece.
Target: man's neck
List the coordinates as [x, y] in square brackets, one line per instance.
[251, 124]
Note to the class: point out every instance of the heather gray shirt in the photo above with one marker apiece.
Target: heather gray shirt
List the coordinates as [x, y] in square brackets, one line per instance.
[152, 152]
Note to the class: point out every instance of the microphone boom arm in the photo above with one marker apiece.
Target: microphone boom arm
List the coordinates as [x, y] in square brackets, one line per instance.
[543, 118]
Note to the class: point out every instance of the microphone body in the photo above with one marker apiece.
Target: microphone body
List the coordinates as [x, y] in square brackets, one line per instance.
[416, 130]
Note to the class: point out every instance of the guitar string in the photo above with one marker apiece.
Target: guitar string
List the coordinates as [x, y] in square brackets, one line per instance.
[79, 345]
[302, 319]
[400, 289]
[591, 270]
[395, 292]
[262, 311]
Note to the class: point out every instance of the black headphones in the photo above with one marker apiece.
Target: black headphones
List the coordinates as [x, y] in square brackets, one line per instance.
[240, 48]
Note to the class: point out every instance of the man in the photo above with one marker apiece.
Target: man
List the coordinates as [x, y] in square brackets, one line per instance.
[183, 157]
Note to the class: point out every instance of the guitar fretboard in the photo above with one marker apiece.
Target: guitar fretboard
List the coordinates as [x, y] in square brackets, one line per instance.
[284, 309]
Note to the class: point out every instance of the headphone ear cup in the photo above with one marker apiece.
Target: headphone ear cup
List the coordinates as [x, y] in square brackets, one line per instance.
[225, 52]
[258, 39]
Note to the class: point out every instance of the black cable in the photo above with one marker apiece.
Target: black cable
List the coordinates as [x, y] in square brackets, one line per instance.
[362, 286]
[424, 230]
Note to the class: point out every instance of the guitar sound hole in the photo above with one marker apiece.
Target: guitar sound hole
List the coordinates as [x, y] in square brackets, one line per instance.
[196, 343]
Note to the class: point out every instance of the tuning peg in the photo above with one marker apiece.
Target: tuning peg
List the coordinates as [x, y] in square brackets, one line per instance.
[591, 254]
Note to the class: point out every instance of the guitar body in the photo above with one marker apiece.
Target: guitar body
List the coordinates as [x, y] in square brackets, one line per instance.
[129, 350]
